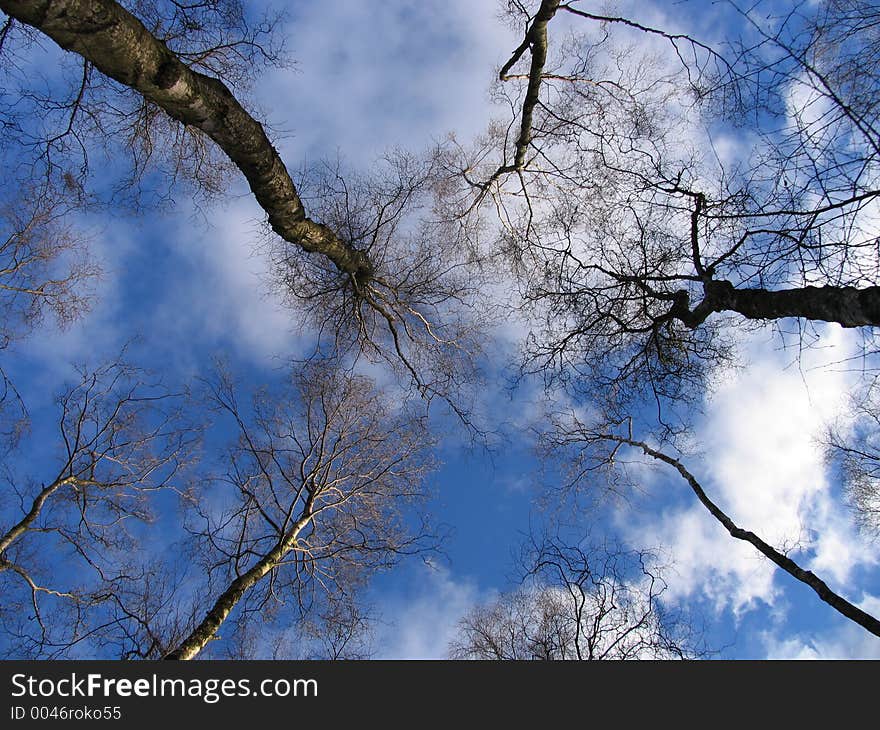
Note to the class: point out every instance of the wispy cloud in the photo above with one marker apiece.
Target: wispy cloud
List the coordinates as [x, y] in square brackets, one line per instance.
[220, 289]
[422, 622]
[387, 74]
[843, 642]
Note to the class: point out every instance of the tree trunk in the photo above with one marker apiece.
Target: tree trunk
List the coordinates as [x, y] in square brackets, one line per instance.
[119, 45]
[207, 629]
[22, 526]
[536, 40]
[846, 305]
[836, 601]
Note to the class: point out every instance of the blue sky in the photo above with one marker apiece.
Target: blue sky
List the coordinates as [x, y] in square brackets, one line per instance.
[190, 285]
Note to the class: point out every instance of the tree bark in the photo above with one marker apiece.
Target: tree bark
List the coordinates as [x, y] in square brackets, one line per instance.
[536, 40]
[845, 305]
[207, 629]
[119, 45]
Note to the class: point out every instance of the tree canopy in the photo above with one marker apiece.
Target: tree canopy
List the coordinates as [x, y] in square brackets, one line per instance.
[659, 198]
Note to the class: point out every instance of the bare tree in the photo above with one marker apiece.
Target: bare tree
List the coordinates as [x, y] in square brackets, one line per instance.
[64, 119]
[643, 246]
[43, 268]
[396, 299]
[343, 630]
[314, 500]
[67, 130]
[423, 313]
[120, 438]
[646, 245]
[321, 489]
[853, 445]
[642, 250]
[583, 602]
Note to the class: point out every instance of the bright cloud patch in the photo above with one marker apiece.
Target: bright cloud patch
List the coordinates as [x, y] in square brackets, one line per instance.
[426, 619]
[226, 297]
[389, 74]
[763, 464]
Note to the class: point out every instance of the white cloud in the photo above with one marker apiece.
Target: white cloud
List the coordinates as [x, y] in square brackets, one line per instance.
[181, 289]
[222, 292]
[709, 562]
[763, 465]
[388, 74]
[49, 353]
[425, 621]
[807, 108]
[846, 641]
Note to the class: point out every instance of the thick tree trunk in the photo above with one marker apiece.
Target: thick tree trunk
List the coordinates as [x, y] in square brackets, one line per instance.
[118, 45]
[207, 629]
[846, 305]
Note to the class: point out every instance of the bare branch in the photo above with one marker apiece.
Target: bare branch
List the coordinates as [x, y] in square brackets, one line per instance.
[579, 434]
[320, 477]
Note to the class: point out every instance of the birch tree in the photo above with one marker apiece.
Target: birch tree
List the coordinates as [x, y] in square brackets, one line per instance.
[322, 489]
[659, 194]
[593, 454]
[579, 602]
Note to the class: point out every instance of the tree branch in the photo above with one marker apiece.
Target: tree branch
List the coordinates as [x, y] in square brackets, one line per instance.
[536, 39]
[837, 602]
